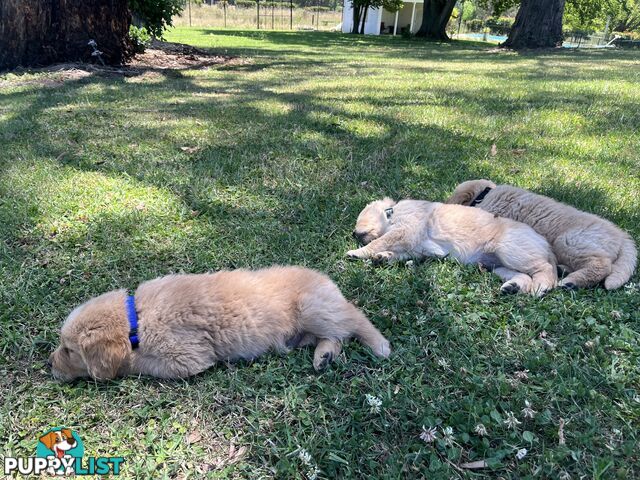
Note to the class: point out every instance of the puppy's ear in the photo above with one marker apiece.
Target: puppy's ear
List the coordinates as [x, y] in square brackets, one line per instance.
[103, 355]
[69, 435]
[49, 440]
[462, 196]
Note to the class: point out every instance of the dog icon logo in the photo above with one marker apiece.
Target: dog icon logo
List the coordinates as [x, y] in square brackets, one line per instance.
[60, 452]
[64, 445]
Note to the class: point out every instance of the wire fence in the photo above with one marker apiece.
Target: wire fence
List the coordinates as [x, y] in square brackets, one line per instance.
[268, 16]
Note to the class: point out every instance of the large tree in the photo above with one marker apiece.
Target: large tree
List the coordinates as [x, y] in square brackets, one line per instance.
[435, 16]
[40, 32]
[538, 25]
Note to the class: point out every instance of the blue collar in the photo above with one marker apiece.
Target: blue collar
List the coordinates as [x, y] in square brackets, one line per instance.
[132, 316]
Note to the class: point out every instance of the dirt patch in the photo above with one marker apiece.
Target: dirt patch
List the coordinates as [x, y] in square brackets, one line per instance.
[159, 57]
[174, 56]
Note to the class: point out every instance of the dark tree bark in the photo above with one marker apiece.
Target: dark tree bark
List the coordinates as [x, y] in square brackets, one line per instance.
[356, 19]
[538, 25]
[435, 16]
[41, 32]
[364, 19]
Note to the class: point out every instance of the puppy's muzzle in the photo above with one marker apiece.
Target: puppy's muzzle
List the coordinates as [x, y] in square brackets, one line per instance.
[361, 237]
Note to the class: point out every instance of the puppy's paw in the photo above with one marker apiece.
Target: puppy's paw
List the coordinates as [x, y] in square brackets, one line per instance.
[323, 361]
[383, 350]
[541, 290]
[381, 257]
[510, 288]
[567, 285]
[354, 254]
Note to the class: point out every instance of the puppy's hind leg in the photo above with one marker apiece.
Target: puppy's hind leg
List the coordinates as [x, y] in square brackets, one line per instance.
[591, 274]
[544, 279]
[327, 315]
[527, 260]
[326, 351]
[514, 282]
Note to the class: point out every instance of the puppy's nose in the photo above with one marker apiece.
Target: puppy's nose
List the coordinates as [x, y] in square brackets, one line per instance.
[354, 234]
[49, 365]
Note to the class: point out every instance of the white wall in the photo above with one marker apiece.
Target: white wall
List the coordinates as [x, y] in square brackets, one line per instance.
[347, 17]
[371, 25]
[375, 16]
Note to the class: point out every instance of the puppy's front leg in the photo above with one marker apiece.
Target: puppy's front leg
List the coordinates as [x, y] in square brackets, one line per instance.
[385, 248]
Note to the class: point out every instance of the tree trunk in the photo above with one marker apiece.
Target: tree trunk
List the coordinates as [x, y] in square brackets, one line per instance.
[364, 19]
[41, 32]
[538, 25]
[435, 16]
[356, 19]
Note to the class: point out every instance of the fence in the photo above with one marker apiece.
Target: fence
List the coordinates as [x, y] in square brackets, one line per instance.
[273, 16]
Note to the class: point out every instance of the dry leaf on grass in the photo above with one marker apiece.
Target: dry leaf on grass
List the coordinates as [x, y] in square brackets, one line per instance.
[235, 455]
[190, 149]
[193, 437]
[494, 150]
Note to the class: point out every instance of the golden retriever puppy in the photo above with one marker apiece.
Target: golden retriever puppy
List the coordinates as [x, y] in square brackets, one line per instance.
[589, 248]
[416, 229]
[180, 325]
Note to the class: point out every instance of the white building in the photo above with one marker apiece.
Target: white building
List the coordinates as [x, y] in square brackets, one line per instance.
[379, 21]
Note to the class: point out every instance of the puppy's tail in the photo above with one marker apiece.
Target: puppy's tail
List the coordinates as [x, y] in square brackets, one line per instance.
[623, 267]
[364, 331]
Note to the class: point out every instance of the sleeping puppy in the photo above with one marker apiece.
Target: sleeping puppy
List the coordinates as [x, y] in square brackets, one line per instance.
[589, 248]
[187, 323]
[415, 229]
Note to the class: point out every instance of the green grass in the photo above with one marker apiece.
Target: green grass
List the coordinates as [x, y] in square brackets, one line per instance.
[97, 193]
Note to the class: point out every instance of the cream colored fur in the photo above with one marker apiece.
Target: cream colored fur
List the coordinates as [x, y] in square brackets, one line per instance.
[590, 248]
[187, 323]
[415, 229]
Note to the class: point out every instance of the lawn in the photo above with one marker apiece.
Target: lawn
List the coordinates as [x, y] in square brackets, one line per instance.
[107, 181]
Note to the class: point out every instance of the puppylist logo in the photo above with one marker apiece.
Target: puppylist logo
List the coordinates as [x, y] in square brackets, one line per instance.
[60, 452]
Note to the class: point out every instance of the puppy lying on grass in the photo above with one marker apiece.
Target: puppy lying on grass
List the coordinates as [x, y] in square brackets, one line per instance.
[589, 248]
[416, 229]
[187, 323]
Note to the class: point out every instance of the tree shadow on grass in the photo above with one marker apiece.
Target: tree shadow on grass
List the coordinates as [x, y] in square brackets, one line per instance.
[268, 185]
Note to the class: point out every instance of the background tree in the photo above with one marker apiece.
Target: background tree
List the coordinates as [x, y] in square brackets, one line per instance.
[155, 15]
[435, 16]
[626, 15]
[468, 9]
[538, 25]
